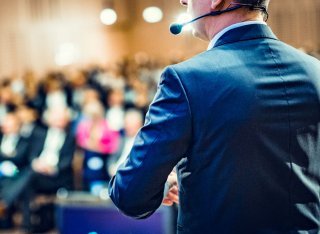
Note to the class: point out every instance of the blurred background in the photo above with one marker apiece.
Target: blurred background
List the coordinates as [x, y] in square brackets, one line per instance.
[76, 80]
[40, 35]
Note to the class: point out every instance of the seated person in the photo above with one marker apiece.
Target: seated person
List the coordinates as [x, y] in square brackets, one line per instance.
[133, 121]
[13, 158]
[29, 117]
[51, 157]
[98, 141]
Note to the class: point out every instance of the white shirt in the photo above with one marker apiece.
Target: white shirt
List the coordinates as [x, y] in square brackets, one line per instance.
[115, 117]
[126, 150]
[8, 144]
[233, 26]
[52, 146]
[129, 141]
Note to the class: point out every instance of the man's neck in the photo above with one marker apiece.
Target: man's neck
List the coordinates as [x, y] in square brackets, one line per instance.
[228, 20]
[233, 26]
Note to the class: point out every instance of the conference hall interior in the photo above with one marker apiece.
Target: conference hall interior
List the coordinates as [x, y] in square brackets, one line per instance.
[92, 68]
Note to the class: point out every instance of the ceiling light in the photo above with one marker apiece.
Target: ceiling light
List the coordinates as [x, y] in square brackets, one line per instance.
[152, 14]
[108, 16]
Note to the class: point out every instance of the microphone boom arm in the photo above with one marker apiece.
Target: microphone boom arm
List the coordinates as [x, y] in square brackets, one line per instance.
[176, 28]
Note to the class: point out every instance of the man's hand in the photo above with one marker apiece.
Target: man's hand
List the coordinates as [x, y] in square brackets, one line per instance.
[172, 195]
[41, 167]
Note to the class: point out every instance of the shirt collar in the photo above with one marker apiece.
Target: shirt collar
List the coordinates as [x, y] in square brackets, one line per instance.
[233, 26]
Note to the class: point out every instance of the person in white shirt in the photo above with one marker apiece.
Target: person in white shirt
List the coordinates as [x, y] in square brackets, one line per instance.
[51, 154]
[14, 151]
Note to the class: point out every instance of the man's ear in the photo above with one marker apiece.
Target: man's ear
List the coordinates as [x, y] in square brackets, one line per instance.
[217, 5]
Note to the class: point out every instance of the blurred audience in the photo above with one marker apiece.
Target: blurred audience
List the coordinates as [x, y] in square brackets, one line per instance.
[52, 91]
[7, 98]
[43, 121]
[116, 109]
[30, 85]
[78, 83]
[133, 121]
[14, 147]
[50, 158]
[13, 159]
[29, 117]
[98, 141]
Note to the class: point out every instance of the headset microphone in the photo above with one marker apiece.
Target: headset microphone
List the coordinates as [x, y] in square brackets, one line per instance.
[176, 28]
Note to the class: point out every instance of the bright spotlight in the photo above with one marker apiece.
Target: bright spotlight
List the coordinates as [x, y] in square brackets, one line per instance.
[108, 16]
[152, 14]
[182, 18]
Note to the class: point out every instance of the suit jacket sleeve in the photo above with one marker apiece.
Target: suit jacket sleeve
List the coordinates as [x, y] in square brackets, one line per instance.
[137, 188]
[21, 157]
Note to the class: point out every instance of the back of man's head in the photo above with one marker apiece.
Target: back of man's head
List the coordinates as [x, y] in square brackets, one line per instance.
[260, 3]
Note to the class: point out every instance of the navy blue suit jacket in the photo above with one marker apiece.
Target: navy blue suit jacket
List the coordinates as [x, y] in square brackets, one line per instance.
[241, 124]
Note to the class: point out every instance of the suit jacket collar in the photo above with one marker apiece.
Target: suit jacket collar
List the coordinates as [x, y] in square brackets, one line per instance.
[244, 33]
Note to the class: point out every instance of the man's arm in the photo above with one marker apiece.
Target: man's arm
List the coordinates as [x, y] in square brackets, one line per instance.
[137, 188]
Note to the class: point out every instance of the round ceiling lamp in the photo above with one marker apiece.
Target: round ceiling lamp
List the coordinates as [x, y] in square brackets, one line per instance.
[108, 16]
[152, 14]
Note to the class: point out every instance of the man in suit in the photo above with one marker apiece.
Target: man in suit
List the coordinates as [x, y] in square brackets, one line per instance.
[13, 147]
[13, 159]
[50, 162]
[241, 123]
[31, 127]
[52, 153]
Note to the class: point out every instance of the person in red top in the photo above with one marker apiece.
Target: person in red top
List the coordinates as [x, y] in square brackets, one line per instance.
[98, 141]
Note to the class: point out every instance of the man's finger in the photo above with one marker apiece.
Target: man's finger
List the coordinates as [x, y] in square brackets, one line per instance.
[173, 197]
[174, 189]
[167, 202]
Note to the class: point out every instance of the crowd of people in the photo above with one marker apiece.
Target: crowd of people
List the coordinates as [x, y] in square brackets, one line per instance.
[45, 120]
